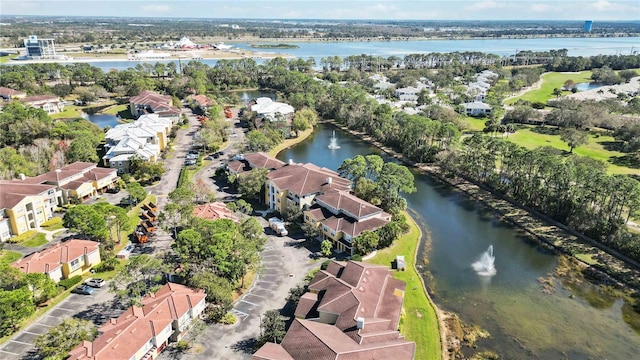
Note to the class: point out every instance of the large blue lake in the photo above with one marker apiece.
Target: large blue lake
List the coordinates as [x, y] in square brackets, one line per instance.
[318, 50]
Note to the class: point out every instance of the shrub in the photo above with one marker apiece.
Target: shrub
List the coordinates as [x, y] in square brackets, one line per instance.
[356, 257]
[183, 345]
[228, 319]
[54, 221]
[23, 237]
[324, 264]
[68, 283]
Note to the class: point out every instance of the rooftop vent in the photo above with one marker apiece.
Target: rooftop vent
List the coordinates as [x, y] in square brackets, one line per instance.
[329, 180]
[360, 323]
[290, 161]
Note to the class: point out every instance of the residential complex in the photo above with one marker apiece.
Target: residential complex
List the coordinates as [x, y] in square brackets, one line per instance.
[149, 102]
[63, 260]
[142, 332]
[321, 193]
[27, 202]
[144, 138]
[352, 311]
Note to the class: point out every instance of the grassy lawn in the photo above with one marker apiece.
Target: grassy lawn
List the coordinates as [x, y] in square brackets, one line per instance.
[551, 81]
[594, 148]
[8, 256]
[70, 112]
[36, 241]
[290, 142]
[55, 223]
[474, 124]
[122, 110]
[419, 322]
[5, 59]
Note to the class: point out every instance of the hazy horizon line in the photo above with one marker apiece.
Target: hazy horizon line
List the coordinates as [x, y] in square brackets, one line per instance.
[308, 19]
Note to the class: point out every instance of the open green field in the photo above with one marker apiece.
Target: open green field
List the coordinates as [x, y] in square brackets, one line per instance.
[419, 322]
[551, 81]
[595, 148]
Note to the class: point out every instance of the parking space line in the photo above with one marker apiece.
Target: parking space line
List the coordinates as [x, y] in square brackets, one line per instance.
[268, 248]
[9, 352]
[55, 317]
[43, 324]
[252, 294]
[21, 342]
[61, 308]
[265, 281]
[264, 256]
[249, 302]
[29, 332]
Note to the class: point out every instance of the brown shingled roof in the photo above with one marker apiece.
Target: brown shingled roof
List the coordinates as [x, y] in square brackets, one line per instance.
[351, 204]
[271, 351]
[12, 192]
[263, 160]
[9, 93]
[304, 179]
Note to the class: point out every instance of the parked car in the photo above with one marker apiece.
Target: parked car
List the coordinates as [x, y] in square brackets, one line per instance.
[96, 283]
[126, 252]
[83, 290]
[190, 162]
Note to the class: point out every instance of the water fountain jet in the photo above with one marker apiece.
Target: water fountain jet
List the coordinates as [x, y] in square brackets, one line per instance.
[333, 145]
[485, 264]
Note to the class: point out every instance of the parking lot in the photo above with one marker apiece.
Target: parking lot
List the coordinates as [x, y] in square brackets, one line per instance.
[98, 307]
[283, 265]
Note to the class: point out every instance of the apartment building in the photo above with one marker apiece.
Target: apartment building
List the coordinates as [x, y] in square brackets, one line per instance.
[352, 311]
[142, 332]
[63, 260]
[144, 138]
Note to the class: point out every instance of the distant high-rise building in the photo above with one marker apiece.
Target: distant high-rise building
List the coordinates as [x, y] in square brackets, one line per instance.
[39, 48]
[588, 25]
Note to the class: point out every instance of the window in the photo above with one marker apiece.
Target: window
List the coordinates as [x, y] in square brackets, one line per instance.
[306, 217]
[333, 233]
[325, 228]
[75, 263]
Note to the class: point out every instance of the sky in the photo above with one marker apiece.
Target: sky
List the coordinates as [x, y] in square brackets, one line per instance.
[335, 9]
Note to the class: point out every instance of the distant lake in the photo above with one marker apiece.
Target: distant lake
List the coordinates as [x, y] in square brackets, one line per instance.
[588, 86]
[318, 50]
[102, 120]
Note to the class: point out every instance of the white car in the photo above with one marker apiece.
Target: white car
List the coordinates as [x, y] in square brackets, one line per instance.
[126, 252]
[96, 283]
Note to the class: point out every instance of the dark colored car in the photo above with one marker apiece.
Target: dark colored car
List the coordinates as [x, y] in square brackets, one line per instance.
[83, 290]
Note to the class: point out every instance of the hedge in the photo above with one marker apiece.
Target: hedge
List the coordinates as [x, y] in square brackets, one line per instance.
[68, 283]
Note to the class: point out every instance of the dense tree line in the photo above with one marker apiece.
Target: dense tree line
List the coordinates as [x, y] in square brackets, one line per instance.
[31, 143]
[574, 190]
[579, 63]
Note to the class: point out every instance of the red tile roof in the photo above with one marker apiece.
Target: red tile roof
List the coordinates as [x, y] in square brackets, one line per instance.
[122, 337]
[214, 211]
[348, 292]
[53, 257]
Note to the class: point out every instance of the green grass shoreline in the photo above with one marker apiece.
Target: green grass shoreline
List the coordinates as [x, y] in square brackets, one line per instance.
[420, 322]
